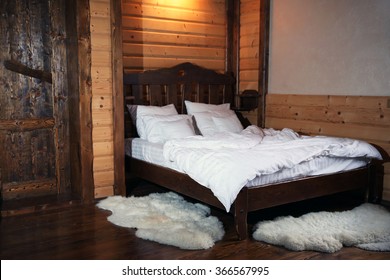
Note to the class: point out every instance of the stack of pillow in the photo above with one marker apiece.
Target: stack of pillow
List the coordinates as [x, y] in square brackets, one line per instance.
[159, 124]
[211, 119]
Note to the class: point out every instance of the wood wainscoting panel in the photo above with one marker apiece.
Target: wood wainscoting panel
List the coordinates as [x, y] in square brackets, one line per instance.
[361, 117]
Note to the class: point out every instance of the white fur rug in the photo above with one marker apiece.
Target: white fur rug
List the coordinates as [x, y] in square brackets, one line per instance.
[366, 226]
[166, 218]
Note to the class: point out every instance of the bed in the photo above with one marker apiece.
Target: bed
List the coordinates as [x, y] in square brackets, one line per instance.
[186, 84]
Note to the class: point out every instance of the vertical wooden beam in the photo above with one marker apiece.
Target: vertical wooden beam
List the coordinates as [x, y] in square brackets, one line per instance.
[233, 44]
[231, 59]
[118, 98]
[263, 58]
[85, 92]
[74, 98]
[60, 95]
[80, 98]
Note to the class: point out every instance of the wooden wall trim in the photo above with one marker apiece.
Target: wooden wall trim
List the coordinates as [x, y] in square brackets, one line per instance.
[118, 102]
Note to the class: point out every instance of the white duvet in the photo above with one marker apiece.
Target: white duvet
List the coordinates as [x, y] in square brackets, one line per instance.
[225, 162]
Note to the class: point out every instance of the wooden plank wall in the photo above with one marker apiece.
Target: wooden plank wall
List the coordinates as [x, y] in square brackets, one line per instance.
[360, 117]
[102, 98]
[249, 49]
[160, 34]
[155, 34]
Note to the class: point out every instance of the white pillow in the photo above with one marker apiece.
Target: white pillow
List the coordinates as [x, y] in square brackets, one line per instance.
[133, 112]
[143, 110]
[176, 129]
[230, 123]
[154, 125]
[205, 123]
[194, 107]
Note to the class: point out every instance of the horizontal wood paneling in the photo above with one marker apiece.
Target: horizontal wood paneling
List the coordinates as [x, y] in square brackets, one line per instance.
[103, 117]
[103, 178]
[101, 42]
[99, 9]
[130, 49]
[101, 102]
[102, 97]
[103, 183]
[162, 34]
[155, 63]
[101, 192]
[102, 133]
[103, 148]
[361, 117]
[150, 37]
[169, 26]
[100, 25]
[101, 58]
[104, 163]
[155, 34]
[196, 5]
[211, 16]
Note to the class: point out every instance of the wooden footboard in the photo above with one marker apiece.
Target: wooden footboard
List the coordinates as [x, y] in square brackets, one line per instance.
[256, 198]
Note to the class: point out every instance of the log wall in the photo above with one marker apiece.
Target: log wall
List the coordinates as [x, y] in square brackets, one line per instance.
[160, 34]
[102, 98]
[155, 34]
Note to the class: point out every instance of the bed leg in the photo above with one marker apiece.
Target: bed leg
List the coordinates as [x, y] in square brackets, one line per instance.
[375, 182]
[241, 214]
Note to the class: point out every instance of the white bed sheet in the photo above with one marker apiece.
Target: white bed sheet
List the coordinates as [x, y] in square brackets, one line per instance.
[147, 151]
[153, 153]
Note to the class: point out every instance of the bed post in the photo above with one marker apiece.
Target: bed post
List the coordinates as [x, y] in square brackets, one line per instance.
[241, 214]
[375, 184]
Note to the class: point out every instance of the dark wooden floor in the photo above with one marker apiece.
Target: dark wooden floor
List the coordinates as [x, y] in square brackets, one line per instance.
[83, 232]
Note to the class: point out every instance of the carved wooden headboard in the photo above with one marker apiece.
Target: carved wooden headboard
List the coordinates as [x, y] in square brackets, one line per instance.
[184, 81]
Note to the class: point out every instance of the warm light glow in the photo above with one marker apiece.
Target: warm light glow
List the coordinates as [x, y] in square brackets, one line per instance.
[179, 3]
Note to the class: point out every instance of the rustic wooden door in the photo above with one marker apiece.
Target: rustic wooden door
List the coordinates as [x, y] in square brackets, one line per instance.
[34, 149]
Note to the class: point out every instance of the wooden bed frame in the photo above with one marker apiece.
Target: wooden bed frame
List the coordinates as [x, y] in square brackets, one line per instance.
[190, 82]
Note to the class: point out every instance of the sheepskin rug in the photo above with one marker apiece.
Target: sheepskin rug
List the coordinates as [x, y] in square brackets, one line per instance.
[366, 226]
[166, 218]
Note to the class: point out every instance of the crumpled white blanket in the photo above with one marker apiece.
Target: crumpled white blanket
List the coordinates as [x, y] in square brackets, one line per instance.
[226, 162]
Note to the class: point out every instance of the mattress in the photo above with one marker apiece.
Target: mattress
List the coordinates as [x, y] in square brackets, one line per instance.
[153, 153]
